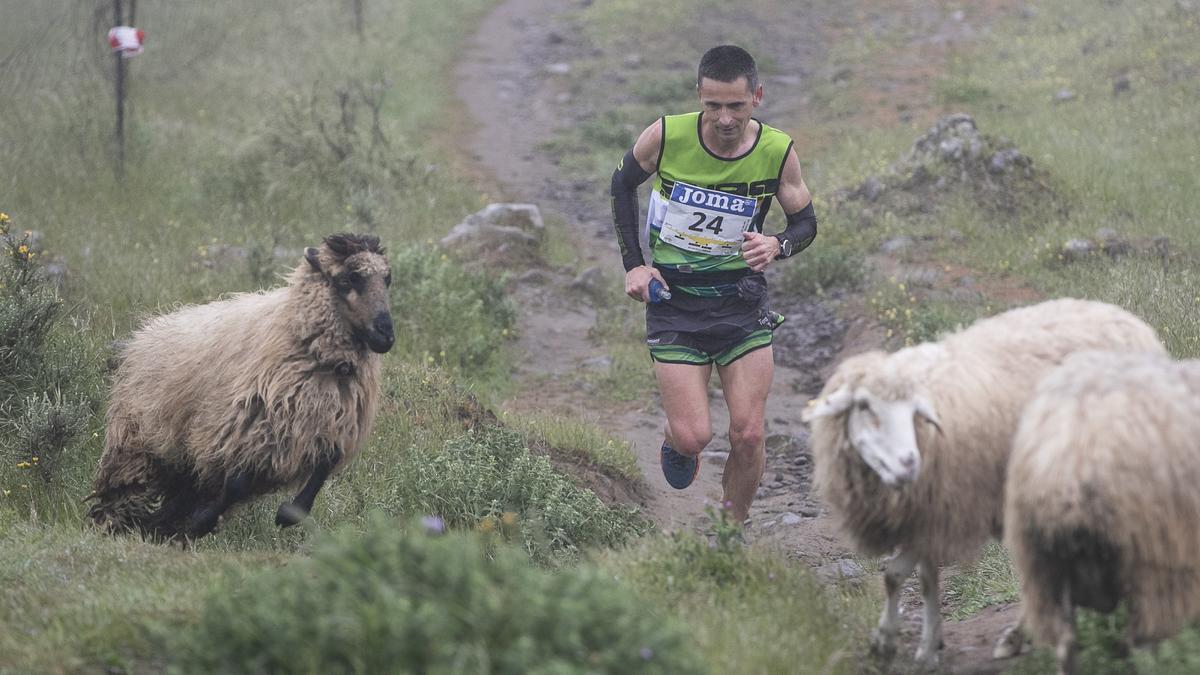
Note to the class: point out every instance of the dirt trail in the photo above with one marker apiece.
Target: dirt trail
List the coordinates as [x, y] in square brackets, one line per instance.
[516, 101]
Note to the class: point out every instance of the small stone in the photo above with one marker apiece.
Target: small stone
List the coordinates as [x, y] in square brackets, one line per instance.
[535, 277]
[593, 280]
[951, 148]
[1077, 249]
[810, 511]
[790, 519]
[840, 570]
[897, 244]
[871, 189]
[1003, 160]
[558, 68]
[1121, 85]
[1064, 95]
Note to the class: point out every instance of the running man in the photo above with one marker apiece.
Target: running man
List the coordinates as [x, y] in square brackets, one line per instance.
[718, 170]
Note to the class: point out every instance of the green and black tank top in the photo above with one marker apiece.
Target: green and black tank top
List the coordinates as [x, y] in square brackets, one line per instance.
[683, 157]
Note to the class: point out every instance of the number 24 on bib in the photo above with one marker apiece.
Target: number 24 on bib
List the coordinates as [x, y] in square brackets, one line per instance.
[706, 221]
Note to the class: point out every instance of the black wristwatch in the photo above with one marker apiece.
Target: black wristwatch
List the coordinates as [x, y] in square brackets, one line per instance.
[785, 246]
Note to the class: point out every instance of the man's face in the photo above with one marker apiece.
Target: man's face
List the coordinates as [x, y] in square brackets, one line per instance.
[727, 107]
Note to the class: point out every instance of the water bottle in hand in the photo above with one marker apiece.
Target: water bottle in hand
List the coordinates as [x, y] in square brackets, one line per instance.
[658, 292]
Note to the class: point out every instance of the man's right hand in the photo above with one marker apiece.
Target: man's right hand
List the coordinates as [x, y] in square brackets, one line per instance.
[637, 282]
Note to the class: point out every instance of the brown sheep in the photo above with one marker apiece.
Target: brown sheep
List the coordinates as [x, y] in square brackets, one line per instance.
[215, 404]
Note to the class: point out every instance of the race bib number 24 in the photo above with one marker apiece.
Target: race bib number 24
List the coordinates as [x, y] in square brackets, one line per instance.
[706, 221]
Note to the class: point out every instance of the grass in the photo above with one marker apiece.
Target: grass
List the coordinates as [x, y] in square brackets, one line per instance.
[735, 597]
[581, 438]
[991, 580]
[88, 600]
[253, 171]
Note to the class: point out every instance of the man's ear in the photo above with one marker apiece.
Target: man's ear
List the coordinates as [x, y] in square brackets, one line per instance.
[758, 95]
[311, 255]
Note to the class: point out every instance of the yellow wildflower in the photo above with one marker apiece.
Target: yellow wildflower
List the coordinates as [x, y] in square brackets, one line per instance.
[22, 249]
[509, 518]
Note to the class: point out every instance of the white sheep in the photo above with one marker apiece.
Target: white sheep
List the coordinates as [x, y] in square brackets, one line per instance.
[933, 493]
[1103, 503]
[215, 404]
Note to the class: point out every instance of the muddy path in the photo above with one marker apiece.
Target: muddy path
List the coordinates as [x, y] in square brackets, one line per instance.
[514, 98]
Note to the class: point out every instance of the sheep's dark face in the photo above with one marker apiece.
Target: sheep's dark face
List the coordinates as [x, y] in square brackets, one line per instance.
[359, 276]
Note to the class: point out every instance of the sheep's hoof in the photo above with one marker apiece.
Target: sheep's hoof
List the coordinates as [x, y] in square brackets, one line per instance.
[883, 644]
[289, 514]
[927, 660]
[1009, 644]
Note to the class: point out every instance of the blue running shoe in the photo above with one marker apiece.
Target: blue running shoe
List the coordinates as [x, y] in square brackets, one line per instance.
[679, 470]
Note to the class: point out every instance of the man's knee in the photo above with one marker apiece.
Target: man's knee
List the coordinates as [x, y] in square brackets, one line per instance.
[690, 441]
[748, 438]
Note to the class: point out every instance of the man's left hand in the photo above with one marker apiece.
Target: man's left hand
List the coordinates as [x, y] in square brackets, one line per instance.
[758, 250]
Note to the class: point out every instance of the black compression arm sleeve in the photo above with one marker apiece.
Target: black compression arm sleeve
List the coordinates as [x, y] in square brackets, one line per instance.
[625, 181]
[801, 228]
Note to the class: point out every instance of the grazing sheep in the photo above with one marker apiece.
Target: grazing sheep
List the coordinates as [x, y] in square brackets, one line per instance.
[1102, 503]
[933, 492]
[215, 404]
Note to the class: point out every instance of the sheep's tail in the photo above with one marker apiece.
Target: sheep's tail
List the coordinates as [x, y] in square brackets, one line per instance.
[1084, 561]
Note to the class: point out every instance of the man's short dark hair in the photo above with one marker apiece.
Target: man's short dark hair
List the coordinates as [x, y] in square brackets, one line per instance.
[727, 63]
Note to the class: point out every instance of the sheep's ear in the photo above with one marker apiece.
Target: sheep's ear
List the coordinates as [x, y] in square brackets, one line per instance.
[924, 410]
[311, 255]
[834, 404]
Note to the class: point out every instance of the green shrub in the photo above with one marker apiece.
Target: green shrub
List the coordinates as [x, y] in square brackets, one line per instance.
[399, 601]
[49, 379]
[446, 314]
[825, 266]
[485, 473]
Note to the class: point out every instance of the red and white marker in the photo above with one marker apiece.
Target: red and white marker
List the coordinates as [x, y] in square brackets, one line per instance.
[126, 40]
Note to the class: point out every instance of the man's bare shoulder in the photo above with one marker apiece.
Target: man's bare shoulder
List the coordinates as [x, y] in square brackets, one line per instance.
[649, 142]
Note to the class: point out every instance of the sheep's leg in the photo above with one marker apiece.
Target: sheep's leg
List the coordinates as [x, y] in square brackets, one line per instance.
[931, 627]
[1064, 650]
[291, 513]
[1012, 640]
[895, 571]
[205, 519]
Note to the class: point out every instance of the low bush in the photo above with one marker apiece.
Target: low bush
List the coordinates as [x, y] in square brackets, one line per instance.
[398, 600]
[49, 376]
[485, 473]
[447, 314]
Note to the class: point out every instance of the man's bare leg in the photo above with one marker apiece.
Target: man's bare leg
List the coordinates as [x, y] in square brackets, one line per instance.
[684, 391]
[746, 383]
